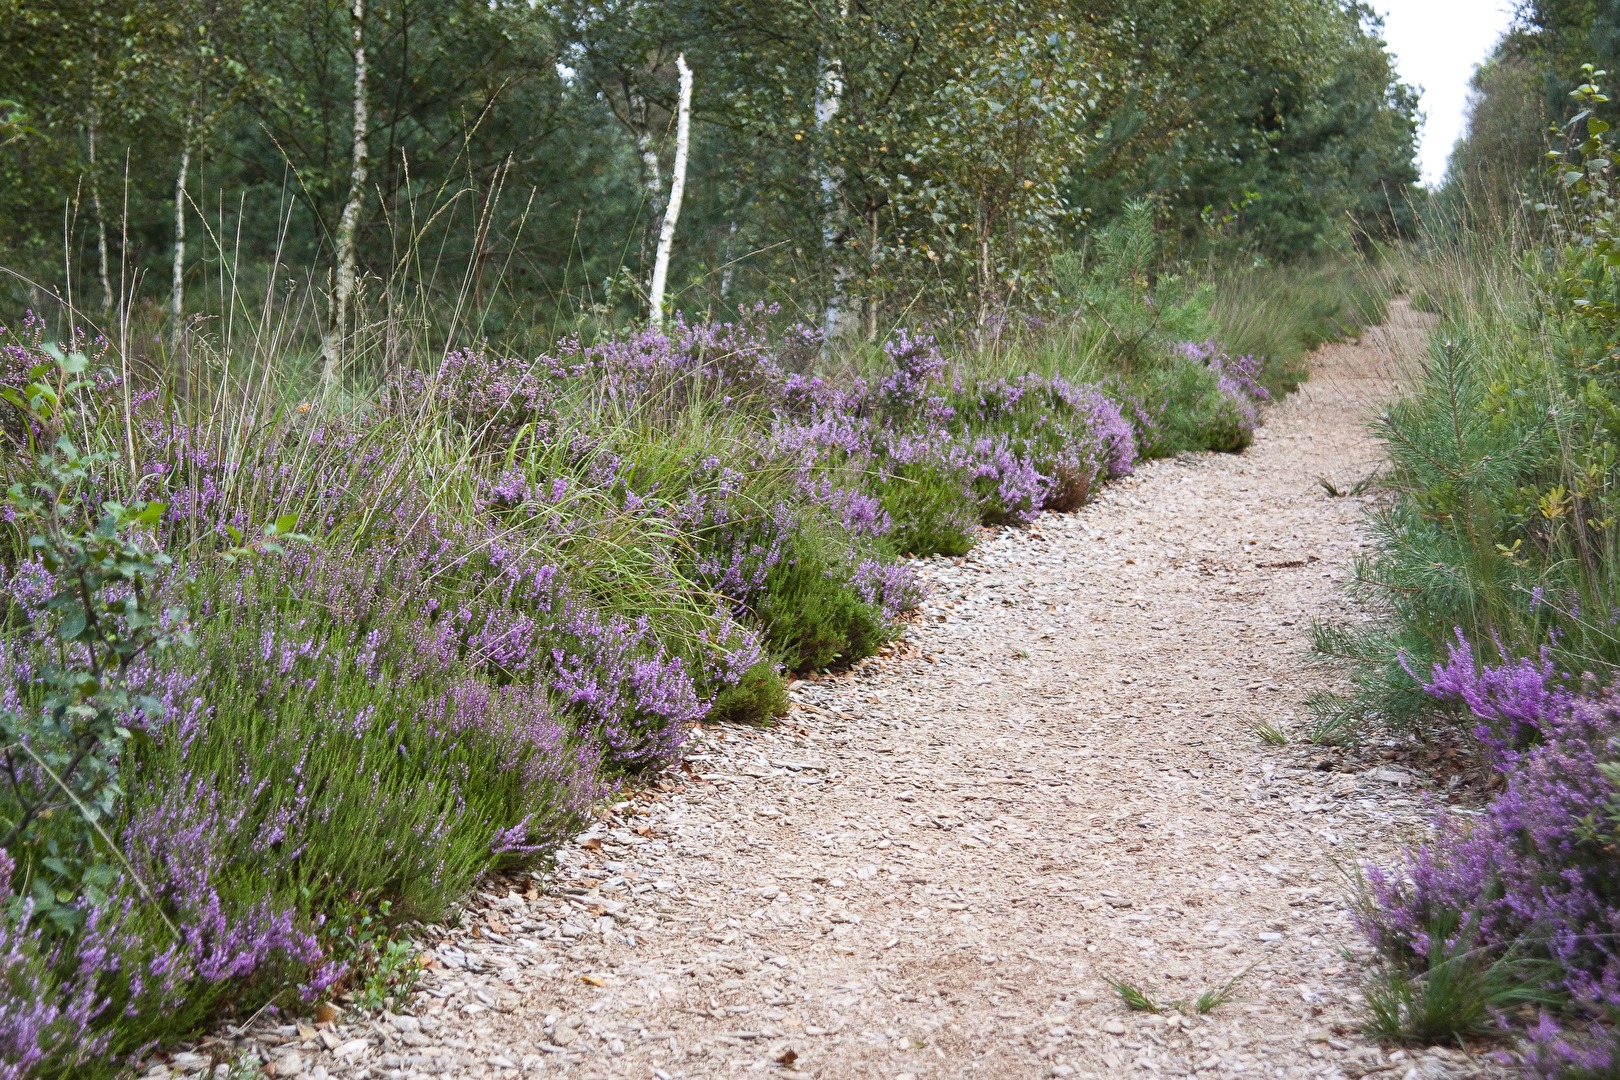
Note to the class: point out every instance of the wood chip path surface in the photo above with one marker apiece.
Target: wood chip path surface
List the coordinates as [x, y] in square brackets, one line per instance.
[933, 868]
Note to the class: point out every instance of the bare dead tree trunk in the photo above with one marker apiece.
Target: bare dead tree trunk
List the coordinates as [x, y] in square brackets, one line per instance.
[677, 188]
[332, 348]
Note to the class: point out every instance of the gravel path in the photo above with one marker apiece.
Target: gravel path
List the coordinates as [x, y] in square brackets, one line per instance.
[931, 869]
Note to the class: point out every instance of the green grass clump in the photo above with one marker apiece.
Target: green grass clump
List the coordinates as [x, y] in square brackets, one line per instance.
[1210, 1000]
[1460, 995]
[1137, 999]
[1134, 997]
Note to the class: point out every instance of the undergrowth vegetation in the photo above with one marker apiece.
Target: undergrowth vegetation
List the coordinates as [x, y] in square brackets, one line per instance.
[1494, 576]
[284, 673]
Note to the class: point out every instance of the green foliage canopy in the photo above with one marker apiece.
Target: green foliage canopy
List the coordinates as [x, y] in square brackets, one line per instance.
[876, 155]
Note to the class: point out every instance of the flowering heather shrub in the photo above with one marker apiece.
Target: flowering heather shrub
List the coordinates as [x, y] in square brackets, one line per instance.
[1072, 436]
[918, 366]
[1239, 376]
[99, 947]
[526, 579]
[939, 453]
[1237, 382]
[382, 755]
[80, 1004]
[1536, 876]
[1518, 702]
[1008, 487]
[1554, 1052]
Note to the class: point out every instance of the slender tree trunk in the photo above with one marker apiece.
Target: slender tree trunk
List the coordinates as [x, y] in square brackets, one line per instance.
[177, 293]
[984, 274]
[123, 323]
[677, 188]
[728, 263]
[343, 286]
[95, 201]
[829, 99]
[872, 267]
[652, 178]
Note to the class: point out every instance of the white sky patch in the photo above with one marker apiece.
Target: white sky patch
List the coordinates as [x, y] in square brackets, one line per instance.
[1437, 44]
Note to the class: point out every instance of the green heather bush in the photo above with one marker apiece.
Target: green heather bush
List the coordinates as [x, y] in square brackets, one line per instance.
[813, 615]
[924, 501]
[758, 696]
[1190, 414]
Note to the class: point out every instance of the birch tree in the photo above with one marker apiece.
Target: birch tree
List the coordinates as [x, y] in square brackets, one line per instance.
[829, 175]
[333, 347]
[638, 119]
[624, 47]
[677, 189]
[92, 138]
[92, 131]
[207, 79]
[177, 285]
[986, 177]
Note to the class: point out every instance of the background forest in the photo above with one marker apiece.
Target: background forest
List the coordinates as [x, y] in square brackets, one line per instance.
[854, 162]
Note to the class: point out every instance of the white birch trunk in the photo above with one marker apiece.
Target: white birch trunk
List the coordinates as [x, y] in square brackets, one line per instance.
[677, 188]
[177, 294]
[101, 221]
[652, 179]
[871, 269]
[343, 287]
[728, 267]
[829, 98]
